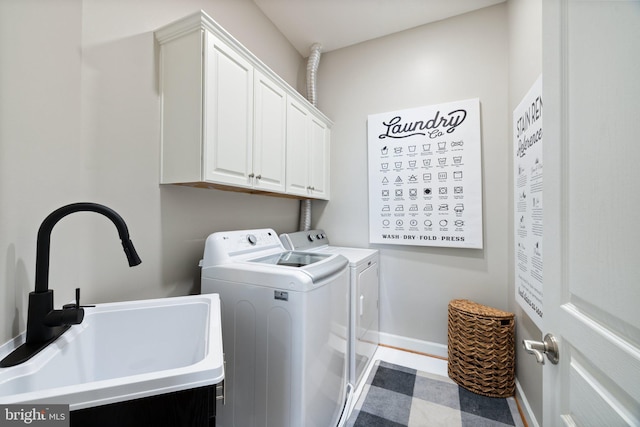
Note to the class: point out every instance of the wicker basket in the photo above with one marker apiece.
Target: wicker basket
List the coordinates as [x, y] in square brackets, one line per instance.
[481, 348]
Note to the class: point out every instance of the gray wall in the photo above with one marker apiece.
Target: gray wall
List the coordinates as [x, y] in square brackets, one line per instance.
[79, 121]
[493, 54]
[459, 58]
[525, 65]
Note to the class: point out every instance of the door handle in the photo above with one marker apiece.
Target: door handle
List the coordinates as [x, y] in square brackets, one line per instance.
[548, 346]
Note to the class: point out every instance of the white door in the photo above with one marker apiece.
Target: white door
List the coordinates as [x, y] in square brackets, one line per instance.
[269, 148]
[591, 94]
[297, 178]
[319, 143]
[228, 114]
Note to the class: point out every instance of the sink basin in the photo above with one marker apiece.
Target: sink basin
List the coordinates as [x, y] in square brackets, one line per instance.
[123, 351]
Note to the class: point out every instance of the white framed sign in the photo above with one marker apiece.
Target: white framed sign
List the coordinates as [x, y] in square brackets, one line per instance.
[528, 206]
[425, 176]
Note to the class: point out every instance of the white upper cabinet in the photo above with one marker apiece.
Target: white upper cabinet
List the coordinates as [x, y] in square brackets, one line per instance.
[307, 153]
[270, 118]
[319, 142]
[229, 122]
[297, 148]
[228, 114]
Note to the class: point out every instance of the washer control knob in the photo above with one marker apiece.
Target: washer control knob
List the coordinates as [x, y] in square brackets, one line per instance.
[311, 237]
[252, 239]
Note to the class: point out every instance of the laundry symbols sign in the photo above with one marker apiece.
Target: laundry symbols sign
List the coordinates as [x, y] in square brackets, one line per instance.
[425, 176]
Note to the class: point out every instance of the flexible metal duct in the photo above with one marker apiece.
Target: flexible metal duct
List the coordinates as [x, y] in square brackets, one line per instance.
[305, 215]
[312, 71]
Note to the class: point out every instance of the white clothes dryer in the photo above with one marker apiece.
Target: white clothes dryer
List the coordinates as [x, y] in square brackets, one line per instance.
[364, 323]
[284, 329]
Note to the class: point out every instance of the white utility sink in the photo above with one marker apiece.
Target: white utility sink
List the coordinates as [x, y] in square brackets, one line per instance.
[123, 351]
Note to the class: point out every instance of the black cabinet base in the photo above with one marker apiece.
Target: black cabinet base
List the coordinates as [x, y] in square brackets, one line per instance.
[189, 408]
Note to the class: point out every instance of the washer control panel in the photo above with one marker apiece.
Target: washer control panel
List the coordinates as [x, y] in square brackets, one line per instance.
[222, 246]
[304, 240]
[235, 241]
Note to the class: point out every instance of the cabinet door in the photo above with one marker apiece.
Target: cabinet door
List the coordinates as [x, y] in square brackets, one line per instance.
[297, 148]
[319, 141]
[228, 115]
[270, 104]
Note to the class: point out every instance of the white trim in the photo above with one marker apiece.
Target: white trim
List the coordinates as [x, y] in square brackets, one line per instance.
[413, 344]
[529, 416]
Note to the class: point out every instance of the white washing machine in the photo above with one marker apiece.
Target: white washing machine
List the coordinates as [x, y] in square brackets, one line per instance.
[284, 329]
[364, 316]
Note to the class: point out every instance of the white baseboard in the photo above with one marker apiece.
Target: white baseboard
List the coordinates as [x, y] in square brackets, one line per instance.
[525, 407]
[413, 344]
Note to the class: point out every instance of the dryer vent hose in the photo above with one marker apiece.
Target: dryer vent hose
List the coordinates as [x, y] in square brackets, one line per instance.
[312, 72]
[305, 215]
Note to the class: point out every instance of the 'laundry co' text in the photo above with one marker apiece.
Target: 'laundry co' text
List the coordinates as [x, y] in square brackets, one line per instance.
[434, 126]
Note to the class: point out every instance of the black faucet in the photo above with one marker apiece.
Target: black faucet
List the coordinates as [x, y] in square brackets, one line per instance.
[44, 324]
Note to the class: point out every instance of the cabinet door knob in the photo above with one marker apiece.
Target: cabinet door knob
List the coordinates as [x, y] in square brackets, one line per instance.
[251, 175]
[259, 177]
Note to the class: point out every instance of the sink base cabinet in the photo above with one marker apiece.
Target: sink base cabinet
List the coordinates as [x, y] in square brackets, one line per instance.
[188, 408]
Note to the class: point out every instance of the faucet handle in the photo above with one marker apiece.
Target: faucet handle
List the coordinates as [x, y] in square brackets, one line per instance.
[71, 314]
[76, 305]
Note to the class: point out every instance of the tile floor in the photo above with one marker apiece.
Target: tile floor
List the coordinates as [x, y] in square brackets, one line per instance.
[403, 358]
[419, 362]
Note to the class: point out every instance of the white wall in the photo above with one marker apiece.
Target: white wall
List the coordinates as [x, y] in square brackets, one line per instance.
[525, 65]
[79, 121]
[459, 58]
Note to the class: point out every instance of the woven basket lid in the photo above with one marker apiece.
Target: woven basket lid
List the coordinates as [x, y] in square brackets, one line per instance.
[468, 306]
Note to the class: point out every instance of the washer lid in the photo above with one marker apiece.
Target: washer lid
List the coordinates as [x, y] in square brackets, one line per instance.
[292, 259]
[316, 266]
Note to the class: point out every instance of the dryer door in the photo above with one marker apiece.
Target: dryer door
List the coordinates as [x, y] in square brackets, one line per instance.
[368, 304]
[367, 318]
